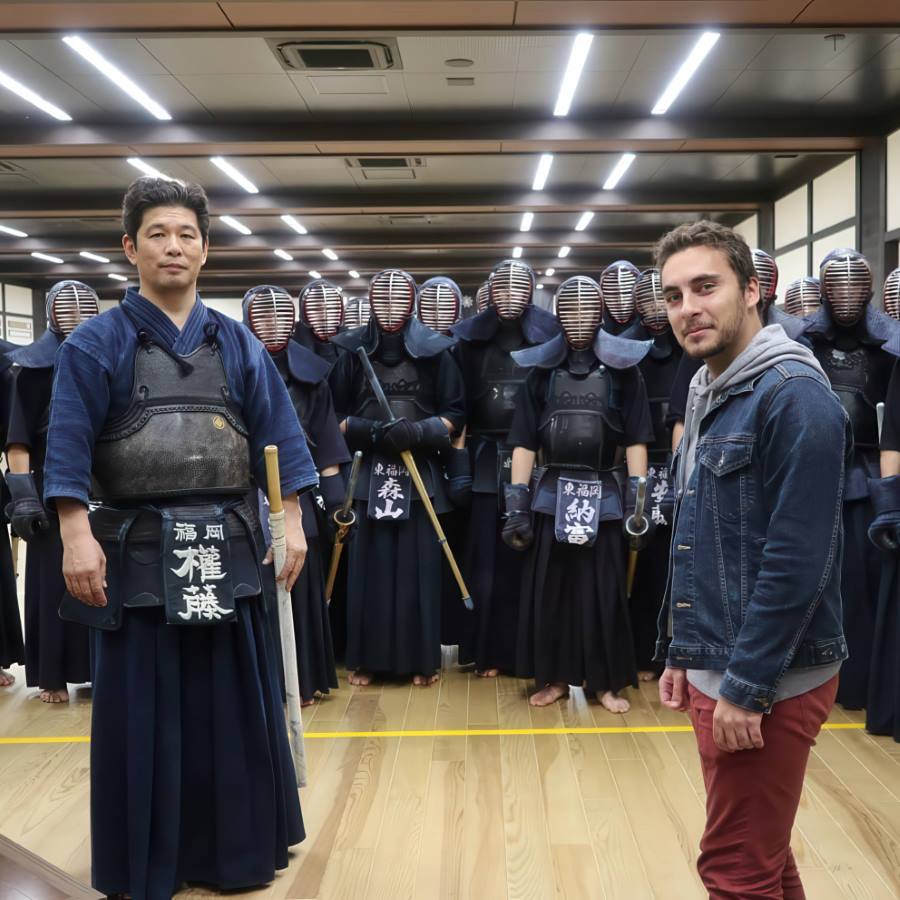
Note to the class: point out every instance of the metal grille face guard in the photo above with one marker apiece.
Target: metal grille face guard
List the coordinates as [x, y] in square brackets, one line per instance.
[650, 302]
[440, 302]
[482, 298]
[322, 308]
[579, 307]
[69, 303]
[846, 280]
[891, 295]
[802, 297]
[767, 273]
[511, 288]
[357, 311]
[617, 286]
[269, 313]
[392, 296]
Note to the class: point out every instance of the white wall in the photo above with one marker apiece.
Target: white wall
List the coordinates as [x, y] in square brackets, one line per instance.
[749, 230]
[791, 265]
[834, 196]
[845, 238]
[230, 306]
[893, 181]
[791, 217]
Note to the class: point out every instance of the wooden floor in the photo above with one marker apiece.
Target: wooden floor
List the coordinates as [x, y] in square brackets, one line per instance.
[488, 816]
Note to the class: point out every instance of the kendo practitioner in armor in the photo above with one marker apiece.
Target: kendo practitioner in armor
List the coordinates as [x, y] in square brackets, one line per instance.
[510, 322]
[582, 405]
[394, 575]
[617, 286]
[482, 298]
[321, 317]
[268, 312]
[803, 297]
[883, 706]
[857, 347]
[12, 647]
[658, 368]
[167, 406]
[57, 653]
[356, 312]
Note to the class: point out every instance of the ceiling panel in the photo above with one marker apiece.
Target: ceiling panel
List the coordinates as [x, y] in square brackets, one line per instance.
[778, 91]
[431, 92]
[550, 53]
[536, 92]
[126, 53]
[36, 16]
[644, 87]
[186, 55]
[372, 94]
[249, 96]
[818, 51]
[666, 52]
[489, 53]
[868, 90]
[324, 173]
[829, 12]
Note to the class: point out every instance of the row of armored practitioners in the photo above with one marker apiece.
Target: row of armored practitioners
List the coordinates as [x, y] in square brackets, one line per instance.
[530, 431]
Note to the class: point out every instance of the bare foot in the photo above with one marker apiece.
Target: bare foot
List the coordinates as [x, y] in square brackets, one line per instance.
[305, 703]
[646, 676]
[60, 696]
[6, 678]
[425, 680]
[613, 702]
[549, 694]
[360, 678]
[487, 673]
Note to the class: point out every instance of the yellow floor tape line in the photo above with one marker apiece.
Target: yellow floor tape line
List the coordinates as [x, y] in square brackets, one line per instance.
[451, 732]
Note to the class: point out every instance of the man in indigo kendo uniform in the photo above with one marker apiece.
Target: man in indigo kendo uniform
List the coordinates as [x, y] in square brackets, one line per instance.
[166, 406]
[750, 628]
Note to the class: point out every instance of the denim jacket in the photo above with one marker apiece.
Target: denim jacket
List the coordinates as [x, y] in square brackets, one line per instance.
[754, 567]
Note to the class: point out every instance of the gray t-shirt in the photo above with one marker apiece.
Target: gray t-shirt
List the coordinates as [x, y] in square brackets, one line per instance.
[793, 683]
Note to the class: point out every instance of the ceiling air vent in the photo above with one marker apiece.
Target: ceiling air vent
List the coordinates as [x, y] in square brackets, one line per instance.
[354, 56]
[386, 168]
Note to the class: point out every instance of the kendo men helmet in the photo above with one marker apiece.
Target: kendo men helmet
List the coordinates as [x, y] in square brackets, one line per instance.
[802, 297]
[511, 288]
[767, 273]
[846, 279]
[322, 308]
[68, 304]
[891, 295]
[617, 286]
[482, 298]
[440, 303]
[268, 311]
[392, 296]
[579, 308]
[357, 312]
[650, 302]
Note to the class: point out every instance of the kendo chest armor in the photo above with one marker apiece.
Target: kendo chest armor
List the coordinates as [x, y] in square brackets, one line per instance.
[179, 436]
[408, 387]
[300, 394]
[581, 424]
[658, 377]
[859, 375]
[493, 400]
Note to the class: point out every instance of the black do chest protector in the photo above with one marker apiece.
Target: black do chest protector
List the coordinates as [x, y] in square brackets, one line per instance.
[581, 423]
[409, 387]
[179, 436]
[493, 399]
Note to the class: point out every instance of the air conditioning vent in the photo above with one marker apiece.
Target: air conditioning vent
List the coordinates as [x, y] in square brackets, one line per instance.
[385, 162]
[332, 55]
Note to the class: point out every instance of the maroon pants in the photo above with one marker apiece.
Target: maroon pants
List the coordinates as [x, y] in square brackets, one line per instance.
[752, 798]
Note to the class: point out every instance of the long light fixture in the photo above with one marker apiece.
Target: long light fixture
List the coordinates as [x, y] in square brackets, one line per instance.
[283, 254]
[517, 252]
[96, 257]
[353, 273]
[147, 169]
[581, 46]
[327, 251]
[46, 257]
[527, 219]
[620, 169]
[539, 286]
[116, 76]
[293, 223]
[699, 52]
[116, 277]
[542, 171]
[13, 231]
[235, 224]
[549, 272]
[226, 167]
[31, 97]
[314, 274]
[584, 221]
[564, 251]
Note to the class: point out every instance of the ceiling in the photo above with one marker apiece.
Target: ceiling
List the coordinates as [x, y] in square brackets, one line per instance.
[773, 106]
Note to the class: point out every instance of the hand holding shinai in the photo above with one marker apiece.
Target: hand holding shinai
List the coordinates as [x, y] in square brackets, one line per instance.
[413, 469]
[636, 525]
[344, 518]
[285, 616]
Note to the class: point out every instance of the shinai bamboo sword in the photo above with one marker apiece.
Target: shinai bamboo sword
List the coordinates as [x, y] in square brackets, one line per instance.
[344, 518]
[636, 526]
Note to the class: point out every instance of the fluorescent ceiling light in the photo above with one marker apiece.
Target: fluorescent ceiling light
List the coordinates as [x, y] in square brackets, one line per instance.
[581, 46]
[96, 257]
[517, 252]
[116, 277]
[283, 254]
[549, 272]
[584, 221]
[540, 287]
[116, 76]
[564, 251]
[46, 257]
[683, 75]
[147, 169]
[329, 253]
[527, 219]
[542, 171]
[290, 220]
[353, 273]
[13, 231]
[233, 174]
[314, 274]
[621, 168]
[34, 99]
[233, 223]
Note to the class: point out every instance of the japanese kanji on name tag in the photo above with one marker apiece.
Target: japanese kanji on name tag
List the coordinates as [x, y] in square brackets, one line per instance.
[199, 589]
[390, 491]
[577, 511]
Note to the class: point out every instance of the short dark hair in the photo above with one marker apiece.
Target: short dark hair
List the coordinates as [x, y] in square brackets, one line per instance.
[148, 192]
[709, 234]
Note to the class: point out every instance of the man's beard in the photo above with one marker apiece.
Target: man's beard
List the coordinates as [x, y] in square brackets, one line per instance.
[727, 331]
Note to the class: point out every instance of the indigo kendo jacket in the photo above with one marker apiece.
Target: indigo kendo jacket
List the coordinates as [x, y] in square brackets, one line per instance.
[755, 561]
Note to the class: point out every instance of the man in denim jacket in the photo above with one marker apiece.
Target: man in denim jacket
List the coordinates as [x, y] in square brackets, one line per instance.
[750, 628]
